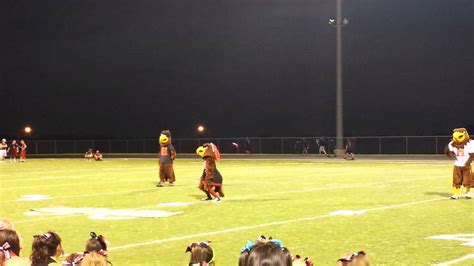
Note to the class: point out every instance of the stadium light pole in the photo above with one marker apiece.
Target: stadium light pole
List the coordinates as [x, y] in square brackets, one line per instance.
[339, 22]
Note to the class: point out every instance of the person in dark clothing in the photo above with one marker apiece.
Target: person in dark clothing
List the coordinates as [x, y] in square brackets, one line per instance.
[349, 150]
[248, 147]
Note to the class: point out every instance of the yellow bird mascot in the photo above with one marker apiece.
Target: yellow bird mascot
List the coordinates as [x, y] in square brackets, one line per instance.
[211, 180]
[166, 157]
[461, 149]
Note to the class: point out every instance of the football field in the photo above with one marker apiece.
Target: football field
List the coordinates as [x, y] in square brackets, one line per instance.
[398, 212]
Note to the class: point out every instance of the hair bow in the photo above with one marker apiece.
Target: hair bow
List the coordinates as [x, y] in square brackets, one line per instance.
[5, 248]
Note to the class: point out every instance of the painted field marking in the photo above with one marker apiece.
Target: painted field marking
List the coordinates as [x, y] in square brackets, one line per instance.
[34, 197]
[234, 198]
[100, 181]
[461, 259]
[467, 238]
[72, 215]
[251, 196]
[102, 213]
[93, 195]
[250, 227]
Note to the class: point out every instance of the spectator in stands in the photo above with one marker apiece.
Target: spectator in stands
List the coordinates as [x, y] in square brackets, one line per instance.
[23, 148]
[271, 252]
[46, 249]
[98, 156]
[201, 254]
[89, 154]
[10, 248]
[93, 259]
[354, 259]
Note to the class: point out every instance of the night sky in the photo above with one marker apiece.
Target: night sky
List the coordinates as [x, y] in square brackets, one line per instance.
[244, 68]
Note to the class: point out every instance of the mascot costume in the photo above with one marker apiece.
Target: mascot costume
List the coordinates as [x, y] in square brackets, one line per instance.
[461, 148]
[167, 155]
[211, 180]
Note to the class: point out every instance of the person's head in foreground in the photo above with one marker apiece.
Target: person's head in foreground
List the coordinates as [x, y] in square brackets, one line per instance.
[354, 259]
[202, 254]
[93, 259]
[46, 248]
[265, 252]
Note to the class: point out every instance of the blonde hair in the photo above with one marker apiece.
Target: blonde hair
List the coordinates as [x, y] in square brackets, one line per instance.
[5, 224]
[94, 259]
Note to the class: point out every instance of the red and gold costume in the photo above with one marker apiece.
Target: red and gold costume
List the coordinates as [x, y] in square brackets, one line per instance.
[211, 179]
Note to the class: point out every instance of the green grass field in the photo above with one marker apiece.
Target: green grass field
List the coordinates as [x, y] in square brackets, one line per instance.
[402, 203]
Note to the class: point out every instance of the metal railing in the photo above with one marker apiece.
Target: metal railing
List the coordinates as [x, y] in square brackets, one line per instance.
[268, 145]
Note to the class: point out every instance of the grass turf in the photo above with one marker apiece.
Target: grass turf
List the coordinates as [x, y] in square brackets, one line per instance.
[405, 203]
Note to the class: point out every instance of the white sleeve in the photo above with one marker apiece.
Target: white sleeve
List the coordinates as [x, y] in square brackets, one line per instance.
[470, 146]
[450, 147]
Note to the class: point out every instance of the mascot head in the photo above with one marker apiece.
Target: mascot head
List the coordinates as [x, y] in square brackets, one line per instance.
[208, 150]
[460, 136]
[165, 137]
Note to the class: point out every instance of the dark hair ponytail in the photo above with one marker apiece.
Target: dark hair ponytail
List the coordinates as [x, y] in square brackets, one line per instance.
[44, 247]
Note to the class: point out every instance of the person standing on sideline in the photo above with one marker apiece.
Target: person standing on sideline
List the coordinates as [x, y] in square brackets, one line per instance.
[248, 147]
[3, 150]
[23, 148]
[322, 146]
[13, 151]
[349, 152]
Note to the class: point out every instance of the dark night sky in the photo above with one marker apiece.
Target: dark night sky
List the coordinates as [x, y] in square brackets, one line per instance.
[245, 68]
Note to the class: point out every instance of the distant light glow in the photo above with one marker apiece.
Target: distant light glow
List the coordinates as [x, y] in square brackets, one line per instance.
[201, 128]
[27, 129]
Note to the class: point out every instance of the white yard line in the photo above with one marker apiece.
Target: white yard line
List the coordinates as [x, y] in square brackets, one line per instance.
[100, 181]
[249, 196]
[91, 195]
[336, 187]
[230, 230]
[72, 215]
[46, 218]
[467, 257]
[403, 204]
[250, 227]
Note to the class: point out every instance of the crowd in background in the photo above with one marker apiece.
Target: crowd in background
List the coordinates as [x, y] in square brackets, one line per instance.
[324, 147]
[13, 150]
[97, 156]
[46, 249]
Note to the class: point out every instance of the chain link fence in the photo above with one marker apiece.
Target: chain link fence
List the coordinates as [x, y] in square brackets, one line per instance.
[269, 145]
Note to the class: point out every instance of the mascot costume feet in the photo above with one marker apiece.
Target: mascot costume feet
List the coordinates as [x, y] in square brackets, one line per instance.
[211, 180]
[167, 155]
[461, 149]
